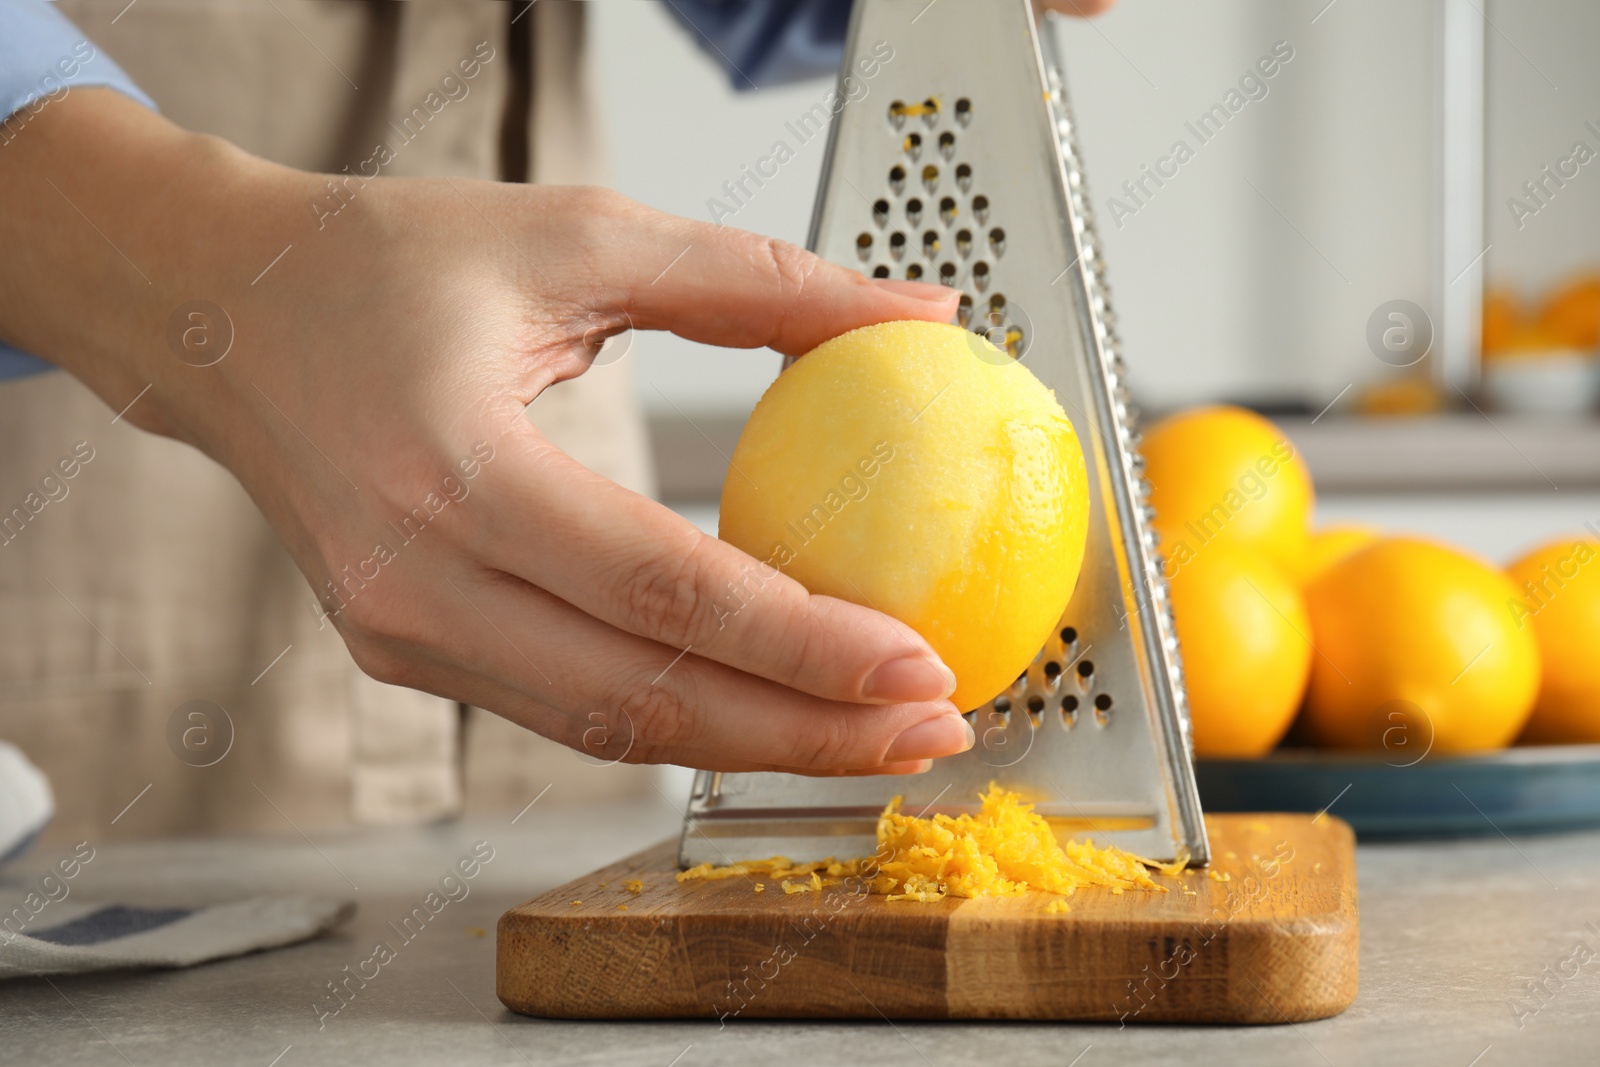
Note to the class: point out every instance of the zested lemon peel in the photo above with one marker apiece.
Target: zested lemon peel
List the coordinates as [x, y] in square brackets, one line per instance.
[1006, 849]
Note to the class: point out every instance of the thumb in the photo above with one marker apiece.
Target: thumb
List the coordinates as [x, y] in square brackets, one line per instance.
[729, 287]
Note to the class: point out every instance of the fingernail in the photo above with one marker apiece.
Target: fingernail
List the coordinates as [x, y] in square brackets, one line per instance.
[909, 679]
[916, 290]
[942, 736]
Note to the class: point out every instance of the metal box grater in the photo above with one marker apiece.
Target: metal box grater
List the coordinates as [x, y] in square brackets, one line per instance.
[959, 165]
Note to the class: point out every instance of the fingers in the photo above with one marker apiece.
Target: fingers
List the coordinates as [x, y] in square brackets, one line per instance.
[728, 287]
[524, 649]
[644, 570]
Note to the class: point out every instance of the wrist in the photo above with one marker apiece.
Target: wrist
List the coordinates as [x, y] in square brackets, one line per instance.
[132, 219]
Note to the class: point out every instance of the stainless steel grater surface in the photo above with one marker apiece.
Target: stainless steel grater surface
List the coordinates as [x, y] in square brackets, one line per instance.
[959, 165]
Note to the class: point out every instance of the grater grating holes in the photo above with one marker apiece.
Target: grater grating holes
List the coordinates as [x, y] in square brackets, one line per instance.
[914, 272]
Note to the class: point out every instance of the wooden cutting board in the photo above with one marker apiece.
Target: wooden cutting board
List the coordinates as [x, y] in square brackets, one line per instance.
[1267, 935]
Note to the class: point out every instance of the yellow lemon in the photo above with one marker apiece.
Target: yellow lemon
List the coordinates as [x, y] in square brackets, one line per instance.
[1226, 476]
[1332, 544]
[1244, 632]
[1559, 600]
[1412, 625]
[914, 468]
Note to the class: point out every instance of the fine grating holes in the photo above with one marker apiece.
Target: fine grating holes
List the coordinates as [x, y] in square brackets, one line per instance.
[964, 177]
[947, 273]
[1102, 709]
[930, 244]
[947, 144]
[1069, 711]
[897, 244]
[963, 111]
[964, 310]
[897, 179]
[930, 110]
[914, 211]
[914, 271]
[897, 114]
[1085, 669]
[948, 210]
[997, 306]
[880, 213]
[1052, 670]
[1069, 636]
[997, 241]
[980, 275]
[1002, 708]
[864, 246]
[930, 177]
[880, 271]
[980, 207]
[913, 144]
[964, 243]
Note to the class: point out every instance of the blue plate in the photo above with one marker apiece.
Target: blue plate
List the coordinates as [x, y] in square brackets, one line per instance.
[1534, 789]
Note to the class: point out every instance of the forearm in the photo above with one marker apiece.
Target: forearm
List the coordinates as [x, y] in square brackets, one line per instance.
[114, 217]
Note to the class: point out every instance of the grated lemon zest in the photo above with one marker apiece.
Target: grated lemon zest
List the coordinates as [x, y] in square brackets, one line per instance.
[1004, 850]
[633, 885]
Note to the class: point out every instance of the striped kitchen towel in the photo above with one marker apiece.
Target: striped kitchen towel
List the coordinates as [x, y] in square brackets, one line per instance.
[77, 937]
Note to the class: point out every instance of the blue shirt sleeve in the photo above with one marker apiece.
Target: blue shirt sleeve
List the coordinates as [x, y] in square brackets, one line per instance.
[768, 42]
[43, 57]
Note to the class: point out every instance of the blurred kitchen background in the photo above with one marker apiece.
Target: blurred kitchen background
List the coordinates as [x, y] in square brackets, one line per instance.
[1377, 168]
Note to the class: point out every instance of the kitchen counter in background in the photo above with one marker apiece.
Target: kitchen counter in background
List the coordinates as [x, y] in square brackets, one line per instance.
[1471, 451]
[1452, 933]
[1495, 484]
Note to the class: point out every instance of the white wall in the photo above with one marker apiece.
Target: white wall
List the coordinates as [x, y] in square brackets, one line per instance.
[1218, 293]
[1544, 87]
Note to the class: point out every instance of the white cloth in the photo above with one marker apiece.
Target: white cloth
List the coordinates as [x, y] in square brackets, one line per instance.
[26, 802]
[74, 936]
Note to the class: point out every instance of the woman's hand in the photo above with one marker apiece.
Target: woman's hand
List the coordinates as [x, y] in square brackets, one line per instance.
[372, 403]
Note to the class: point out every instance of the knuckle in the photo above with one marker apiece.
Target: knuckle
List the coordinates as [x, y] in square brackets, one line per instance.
[667, 601]
[661, 718]
[791, 265]
[831, 743]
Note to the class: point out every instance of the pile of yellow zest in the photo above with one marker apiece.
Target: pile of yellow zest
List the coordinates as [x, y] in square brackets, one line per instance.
[1004, 850]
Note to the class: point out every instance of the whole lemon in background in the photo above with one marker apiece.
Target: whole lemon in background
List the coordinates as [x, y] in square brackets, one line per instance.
[1332, 544]
[1413, 623]
[1243, 627]
[1558, 599]
[916, 469]
[1226, 476]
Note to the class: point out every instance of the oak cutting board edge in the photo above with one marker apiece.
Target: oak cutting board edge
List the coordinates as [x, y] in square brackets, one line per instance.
[1269, 935]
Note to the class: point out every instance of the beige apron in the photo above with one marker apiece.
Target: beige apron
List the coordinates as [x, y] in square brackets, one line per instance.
[148, 580]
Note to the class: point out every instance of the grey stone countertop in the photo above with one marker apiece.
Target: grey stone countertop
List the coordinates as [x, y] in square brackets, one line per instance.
[1452, 935]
